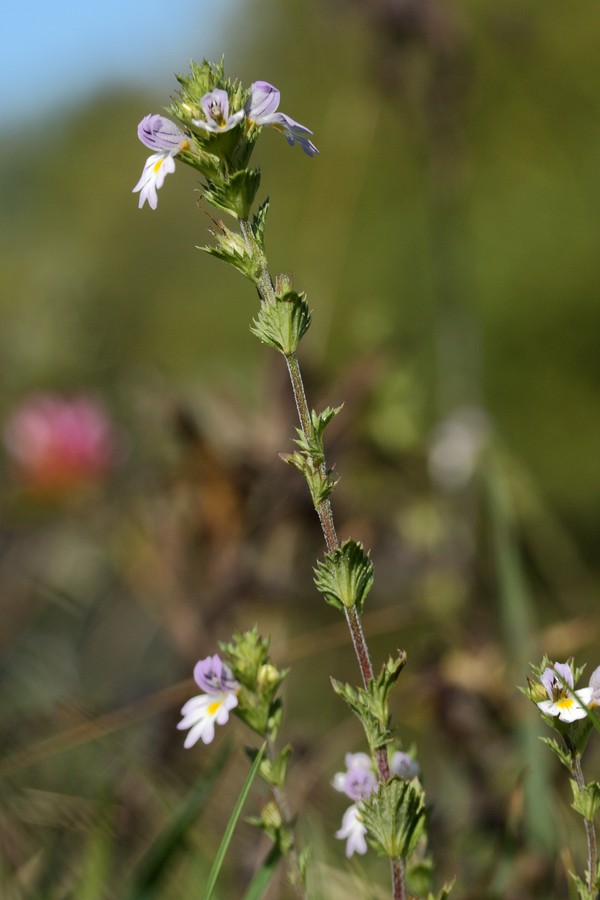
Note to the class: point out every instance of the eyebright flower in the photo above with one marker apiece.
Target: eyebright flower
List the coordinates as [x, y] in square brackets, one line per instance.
[215, 106]
[595, 688]
[404, 766]
[564, 702]
[261, 109]
[60, 443]
[359, 780]
[159, 134]
[353, 831]
[201, 712]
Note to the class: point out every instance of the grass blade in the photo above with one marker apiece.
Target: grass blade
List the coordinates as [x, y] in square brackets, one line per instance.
[218, 862]
[263, 876]
[153, 865]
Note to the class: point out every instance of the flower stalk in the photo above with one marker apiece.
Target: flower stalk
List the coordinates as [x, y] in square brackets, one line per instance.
[325, 513]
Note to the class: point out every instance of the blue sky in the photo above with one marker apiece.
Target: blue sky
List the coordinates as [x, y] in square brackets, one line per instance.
[54, 53]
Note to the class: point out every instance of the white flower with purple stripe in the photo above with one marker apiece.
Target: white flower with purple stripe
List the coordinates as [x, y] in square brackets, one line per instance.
[357, 782]
[563, 701]
[261, 109]
[202, 712]
[162, 135]
[215, 106]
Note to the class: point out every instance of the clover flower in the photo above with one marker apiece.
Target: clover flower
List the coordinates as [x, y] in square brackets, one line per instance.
[563, 701]
[215, 106]
[162, 135]
[201, 712]
[261, 109]
[353, 831]
[60, 443]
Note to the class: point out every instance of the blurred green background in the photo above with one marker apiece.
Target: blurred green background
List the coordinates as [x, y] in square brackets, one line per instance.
[447, 237]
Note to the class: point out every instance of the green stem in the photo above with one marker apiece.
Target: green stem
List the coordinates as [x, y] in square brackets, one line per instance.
[282, 805]
[590, 831]
[325, 514]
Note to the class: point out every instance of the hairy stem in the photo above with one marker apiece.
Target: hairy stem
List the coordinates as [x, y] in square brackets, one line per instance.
[325, 514]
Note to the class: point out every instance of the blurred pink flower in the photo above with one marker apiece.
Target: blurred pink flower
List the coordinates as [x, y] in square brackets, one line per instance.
[58, 443]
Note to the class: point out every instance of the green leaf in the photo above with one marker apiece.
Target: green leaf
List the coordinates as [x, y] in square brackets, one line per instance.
[283, 323]
[395, 817]
[152, 868]
[258, 224]
[560, 752]
[586, 800]
[370, 704]
[232, 249]
[345, 576]
[274, 771]
[219, 858]
[234, 194]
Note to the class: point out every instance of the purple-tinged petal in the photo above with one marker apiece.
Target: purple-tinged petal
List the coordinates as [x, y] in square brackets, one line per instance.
[158, 133]
[215, 105]
[213, 676]
[263, 100]
[566, 674]
[595, 686]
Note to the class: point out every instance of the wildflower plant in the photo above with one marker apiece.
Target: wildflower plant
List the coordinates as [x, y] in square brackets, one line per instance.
[572, 713]
[214, 126]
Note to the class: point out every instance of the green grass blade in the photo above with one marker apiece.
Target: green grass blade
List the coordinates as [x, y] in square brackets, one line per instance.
[263, 876]
[218, 862]
[155, 862]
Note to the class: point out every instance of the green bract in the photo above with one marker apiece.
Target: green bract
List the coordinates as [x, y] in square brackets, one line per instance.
[247, 656]
[370, 704]
[282, 323]
[345, 576]
[395, 817]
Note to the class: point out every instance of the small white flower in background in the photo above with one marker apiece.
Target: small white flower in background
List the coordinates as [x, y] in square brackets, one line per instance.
[162, 135]
[353, 831]
[201, 712]
[358, 782]
[563, 701]
[456, 447]
[359, 779]
[404, 766]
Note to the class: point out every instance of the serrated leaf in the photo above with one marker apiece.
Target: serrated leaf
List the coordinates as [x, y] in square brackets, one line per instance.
[560, 752]
[395, 817]
[586, 800]
[283, 323]
[345, 576]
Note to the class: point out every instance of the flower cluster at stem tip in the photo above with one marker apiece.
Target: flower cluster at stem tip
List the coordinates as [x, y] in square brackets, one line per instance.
[563, 701]
[206, 122]
[358, 782]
